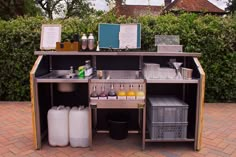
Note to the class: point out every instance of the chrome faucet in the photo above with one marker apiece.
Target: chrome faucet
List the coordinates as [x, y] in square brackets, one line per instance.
[71, 70]
[71, 73]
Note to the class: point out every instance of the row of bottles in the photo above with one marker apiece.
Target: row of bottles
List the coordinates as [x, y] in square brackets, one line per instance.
[121, 94]
[87, 42]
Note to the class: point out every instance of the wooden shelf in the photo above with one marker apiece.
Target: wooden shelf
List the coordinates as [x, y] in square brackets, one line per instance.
[122, 53]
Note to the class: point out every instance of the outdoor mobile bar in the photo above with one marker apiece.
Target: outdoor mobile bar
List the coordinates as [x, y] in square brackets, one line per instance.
[44, 82]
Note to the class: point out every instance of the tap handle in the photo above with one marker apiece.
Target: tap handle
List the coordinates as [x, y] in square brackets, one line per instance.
[71, 69]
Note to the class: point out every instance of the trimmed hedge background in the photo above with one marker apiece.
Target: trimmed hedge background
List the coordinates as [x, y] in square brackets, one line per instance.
[214, 37]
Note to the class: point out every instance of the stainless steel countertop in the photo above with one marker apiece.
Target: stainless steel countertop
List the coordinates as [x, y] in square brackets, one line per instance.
[124, 76]
[119, 53]
[58, 76]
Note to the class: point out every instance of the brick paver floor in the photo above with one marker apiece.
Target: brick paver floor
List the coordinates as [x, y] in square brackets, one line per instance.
[219, 137]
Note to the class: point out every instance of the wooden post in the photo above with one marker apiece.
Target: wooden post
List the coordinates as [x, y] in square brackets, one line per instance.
[33, 103]
[201, 104]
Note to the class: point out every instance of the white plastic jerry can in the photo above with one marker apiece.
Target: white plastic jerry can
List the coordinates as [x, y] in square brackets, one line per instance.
[79, 127]
[58, 126]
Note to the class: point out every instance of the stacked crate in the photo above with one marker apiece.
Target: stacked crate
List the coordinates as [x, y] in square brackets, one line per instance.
[167, 118]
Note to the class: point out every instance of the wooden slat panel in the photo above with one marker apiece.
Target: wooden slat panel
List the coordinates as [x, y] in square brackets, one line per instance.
[33, 101]
[36, 64]
[201, 103]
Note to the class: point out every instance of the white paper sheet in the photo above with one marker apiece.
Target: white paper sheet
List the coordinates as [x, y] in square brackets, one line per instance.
[51, 35]
[128, 36]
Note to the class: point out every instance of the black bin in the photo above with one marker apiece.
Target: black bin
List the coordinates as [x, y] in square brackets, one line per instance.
[118, 126]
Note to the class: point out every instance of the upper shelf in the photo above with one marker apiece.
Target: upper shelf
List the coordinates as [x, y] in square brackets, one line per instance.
[122, 53]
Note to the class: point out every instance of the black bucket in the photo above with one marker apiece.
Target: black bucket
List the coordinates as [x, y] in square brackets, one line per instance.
[118, 126]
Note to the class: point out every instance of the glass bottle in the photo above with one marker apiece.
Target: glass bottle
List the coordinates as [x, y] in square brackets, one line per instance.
[103, 94]
[121, 94]
[177, 68]
[112, 93]
[91, 44]
[88, 69]
[140, 95]
[87, 64]
[84, 42]
[94, 94]
[98, 48]
[81, 72]
[131, 93]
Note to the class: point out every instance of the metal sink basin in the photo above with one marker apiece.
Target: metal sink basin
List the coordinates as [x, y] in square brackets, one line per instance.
[68, 76]
[56, 74]
[62, 74]
[66, 87]
[119, 76]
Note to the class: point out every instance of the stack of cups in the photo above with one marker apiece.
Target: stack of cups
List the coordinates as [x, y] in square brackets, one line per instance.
[187, 73]
[151, 70]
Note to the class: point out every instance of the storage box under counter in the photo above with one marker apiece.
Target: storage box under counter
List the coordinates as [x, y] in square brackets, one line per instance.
[167, 109]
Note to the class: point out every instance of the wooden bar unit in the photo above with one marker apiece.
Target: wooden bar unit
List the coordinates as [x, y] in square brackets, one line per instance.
[48, 73]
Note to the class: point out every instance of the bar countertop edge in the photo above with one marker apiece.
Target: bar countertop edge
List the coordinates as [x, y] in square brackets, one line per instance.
[119, 53]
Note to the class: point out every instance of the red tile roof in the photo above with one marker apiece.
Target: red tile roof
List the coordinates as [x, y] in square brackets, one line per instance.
[137, 10]
[194, 6]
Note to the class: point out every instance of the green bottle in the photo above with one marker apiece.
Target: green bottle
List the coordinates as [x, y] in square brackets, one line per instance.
[81, 72]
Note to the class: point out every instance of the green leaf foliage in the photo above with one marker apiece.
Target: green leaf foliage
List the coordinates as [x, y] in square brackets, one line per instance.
[214, 37]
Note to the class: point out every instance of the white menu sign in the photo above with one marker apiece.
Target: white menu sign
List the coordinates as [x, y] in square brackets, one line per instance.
[50, 34]
[128, 36]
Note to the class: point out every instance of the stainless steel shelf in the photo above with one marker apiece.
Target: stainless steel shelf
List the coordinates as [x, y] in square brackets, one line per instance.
[107, 131]
[166, 140]
[182, 81]
[117, 81]
[124, 53]
[117, 104]
[44, 80]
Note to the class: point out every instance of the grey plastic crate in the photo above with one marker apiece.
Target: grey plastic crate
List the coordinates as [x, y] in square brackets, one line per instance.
[167, 40]
[169, 48]
[167, 109]
[167, 131]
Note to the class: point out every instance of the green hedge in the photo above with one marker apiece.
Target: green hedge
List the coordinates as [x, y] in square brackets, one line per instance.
[214, 37]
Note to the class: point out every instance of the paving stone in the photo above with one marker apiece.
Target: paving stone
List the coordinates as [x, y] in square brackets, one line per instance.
[222, 145]
[9, 154]
[229, 149]
[219, 137]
